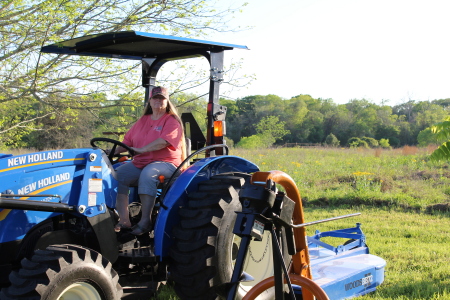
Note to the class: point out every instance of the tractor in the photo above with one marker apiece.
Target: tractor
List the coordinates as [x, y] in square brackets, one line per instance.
[222, 227]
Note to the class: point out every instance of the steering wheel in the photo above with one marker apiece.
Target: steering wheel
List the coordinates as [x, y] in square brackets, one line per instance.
[111, 154]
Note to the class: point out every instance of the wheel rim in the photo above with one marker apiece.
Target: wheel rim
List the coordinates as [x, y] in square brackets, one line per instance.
[258, 262]
[80, 291]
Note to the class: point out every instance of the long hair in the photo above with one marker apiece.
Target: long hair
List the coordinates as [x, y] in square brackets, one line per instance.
[171, 110]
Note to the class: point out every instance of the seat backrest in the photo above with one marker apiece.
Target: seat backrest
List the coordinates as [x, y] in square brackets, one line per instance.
[188, 146]
[193, 132]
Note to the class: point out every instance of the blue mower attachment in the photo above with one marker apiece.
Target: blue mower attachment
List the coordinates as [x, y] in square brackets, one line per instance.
[346, 271]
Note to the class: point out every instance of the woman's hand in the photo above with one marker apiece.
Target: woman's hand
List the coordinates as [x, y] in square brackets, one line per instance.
[138, 150]
[118, 150]
[157, 144]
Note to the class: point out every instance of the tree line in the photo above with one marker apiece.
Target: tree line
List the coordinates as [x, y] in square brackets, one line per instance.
[260, 121]
[314, 120]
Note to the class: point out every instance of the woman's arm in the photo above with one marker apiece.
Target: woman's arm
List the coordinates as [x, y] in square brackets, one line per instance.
[119, 150]
[157, 144]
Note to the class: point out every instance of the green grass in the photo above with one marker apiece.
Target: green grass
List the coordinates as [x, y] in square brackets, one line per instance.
[360, 177]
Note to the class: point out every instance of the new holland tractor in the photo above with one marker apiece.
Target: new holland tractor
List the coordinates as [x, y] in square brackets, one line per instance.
[222, 229]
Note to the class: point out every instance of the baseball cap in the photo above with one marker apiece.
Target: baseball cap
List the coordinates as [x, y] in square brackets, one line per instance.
[159, 90]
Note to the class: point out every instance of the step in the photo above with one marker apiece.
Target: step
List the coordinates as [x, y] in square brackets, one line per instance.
[138, 255]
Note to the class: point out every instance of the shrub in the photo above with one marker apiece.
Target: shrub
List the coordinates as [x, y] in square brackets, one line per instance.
[252, 142]
[229, 142]
[355, 142]
[393, 141]
[384, 143]
[332, 140]
[370, 141]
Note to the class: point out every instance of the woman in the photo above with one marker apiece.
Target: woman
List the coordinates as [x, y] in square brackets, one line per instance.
[158, 142]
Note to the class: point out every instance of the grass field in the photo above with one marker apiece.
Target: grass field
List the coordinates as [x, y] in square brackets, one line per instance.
[402, 177]
[404, 200]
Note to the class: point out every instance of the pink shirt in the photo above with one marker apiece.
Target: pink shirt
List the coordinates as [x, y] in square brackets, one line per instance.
[146, 130]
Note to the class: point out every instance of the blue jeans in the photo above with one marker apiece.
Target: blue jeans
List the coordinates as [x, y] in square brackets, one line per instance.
[146, 179]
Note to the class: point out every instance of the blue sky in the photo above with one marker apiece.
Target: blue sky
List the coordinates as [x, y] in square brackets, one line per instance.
[393, 50]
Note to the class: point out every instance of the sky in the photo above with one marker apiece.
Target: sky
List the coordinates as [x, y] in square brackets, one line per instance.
[383, 51]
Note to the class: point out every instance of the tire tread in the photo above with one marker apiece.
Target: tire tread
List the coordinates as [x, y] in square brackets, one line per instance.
[194, 270]
[35, 276]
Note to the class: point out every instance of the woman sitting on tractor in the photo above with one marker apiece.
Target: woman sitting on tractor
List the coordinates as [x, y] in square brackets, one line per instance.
[157, 139]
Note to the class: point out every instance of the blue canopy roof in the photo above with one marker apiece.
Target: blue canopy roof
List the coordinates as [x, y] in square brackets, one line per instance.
[137, 45]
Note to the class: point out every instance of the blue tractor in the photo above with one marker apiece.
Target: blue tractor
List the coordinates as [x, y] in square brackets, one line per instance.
[57, 212]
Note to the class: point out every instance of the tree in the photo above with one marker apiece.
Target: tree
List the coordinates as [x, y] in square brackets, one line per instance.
[188, 102]
[272, 128]
[405, 109]
[246, 118]
[365, 117]
[295, 110]
[63, 132]
[269, 130]
[386, 125]
[386, 131]
[332, 141]
[442, 102]
[232, 119]
[339, 122]
[35, 86]
[442, 130]
[269, 105]
[313, 127]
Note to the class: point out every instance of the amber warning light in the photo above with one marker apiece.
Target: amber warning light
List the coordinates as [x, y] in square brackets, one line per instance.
[219, 128]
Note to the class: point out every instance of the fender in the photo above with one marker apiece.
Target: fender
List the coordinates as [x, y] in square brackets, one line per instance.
[185, 183]
[103, 227]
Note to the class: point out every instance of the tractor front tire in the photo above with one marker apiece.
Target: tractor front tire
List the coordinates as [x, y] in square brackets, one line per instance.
[64, 272]
[205, 249]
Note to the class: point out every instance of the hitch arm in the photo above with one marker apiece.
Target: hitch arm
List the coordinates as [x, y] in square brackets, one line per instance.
[8, 203]
[301, 264]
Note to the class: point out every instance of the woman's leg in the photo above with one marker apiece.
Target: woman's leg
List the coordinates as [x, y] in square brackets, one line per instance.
[122, 210]
[127, 175]
[148, 202]
[148, 183]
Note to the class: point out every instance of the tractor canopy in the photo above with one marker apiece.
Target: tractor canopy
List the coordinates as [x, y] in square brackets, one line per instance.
[154, 50]
[137, 45]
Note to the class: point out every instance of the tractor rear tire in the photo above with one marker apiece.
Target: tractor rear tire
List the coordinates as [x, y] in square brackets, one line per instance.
[205, 249]
[64, 272]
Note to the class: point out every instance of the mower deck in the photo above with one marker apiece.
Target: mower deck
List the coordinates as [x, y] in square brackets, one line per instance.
[346, 271]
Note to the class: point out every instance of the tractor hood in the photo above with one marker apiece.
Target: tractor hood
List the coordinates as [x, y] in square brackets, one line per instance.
[137, 45]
